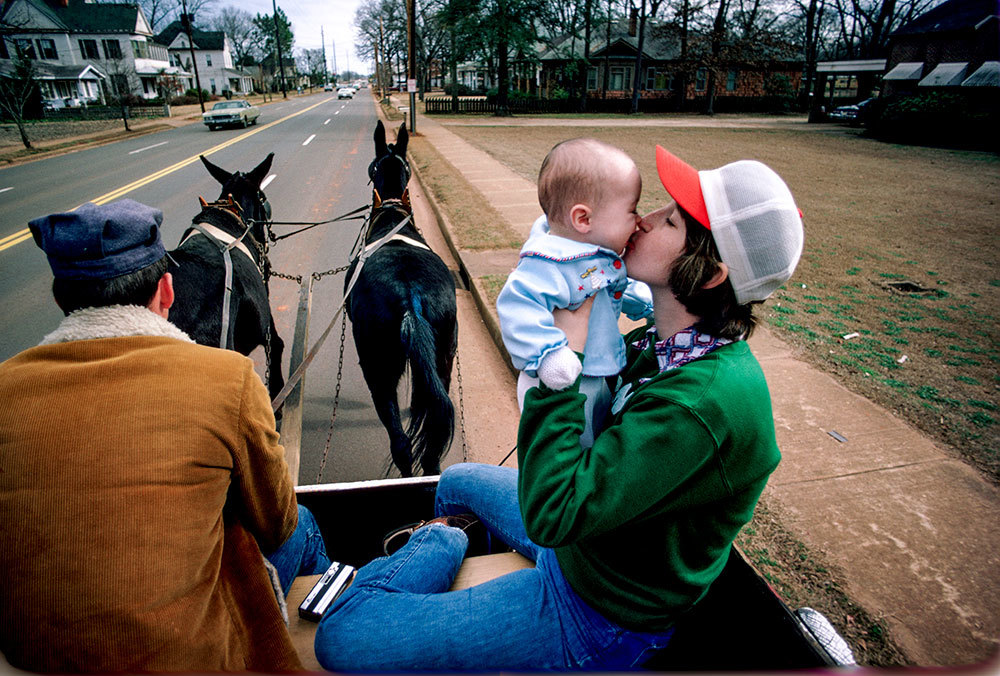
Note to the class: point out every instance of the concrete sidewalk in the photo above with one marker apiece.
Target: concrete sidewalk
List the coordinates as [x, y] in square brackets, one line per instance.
[913, 530]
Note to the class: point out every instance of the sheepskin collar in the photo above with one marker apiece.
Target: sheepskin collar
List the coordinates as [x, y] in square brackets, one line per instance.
[114, 321]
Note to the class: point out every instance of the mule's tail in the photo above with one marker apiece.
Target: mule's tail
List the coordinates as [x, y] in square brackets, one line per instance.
[432, 415]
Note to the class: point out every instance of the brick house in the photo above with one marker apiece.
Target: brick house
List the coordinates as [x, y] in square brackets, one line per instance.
[85, 50]
[952, 47]
[745, 76]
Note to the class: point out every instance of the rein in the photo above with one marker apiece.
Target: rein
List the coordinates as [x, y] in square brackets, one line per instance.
[362, 256]
[349, 216]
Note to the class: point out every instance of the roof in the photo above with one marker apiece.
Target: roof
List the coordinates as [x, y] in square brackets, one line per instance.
[662, 43]
[951, 16]
[208, 40]
[85, 17]
[856, 66]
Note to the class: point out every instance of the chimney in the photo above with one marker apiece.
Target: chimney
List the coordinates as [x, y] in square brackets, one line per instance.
[633, 16]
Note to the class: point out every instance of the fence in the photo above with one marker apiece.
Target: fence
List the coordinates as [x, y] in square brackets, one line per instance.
[102, 113]
[533, 106]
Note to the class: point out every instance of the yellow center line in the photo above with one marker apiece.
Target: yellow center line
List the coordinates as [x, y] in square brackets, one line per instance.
[25, 234]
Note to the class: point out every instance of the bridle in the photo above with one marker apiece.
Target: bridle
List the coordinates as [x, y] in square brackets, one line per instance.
[376, 164]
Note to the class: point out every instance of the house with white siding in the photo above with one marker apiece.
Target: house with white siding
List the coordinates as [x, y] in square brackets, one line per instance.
[86, 50]
[213, 56]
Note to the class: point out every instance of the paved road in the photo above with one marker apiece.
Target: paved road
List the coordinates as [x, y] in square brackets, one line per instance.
[322, 148]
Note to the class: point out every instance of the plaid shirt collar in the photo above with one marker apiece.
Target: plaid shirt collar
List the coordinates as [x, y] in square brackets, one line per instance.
[682, 347]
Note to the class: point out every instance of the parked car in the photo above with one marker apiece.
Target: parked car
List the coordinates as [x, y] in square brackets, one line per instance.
[345, 93]
[239, 113]
[328, 87]
[855, 113]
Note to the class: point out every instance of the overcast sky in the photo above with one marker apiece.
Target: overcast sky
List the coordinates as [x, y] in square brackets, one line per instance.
[307, 16]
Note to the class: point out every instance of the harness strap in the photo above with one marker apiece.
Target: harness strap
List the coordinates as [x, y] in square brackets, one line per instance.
[221, 238]
[399, 238]
[226, 244]
[294, 378]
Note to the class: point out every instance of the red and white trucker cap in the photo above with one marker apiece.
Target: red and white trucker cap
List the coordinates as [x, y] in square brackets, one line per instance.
[753, 219]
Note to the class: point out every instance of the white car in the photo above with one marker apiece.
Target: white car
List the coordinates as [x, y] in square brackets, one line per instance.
[345, 93]
[239, 113]
[328, 87]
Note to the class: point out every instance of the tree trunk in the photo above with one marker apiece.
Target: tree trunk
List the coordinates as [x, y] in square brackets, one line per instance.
[24, 133]
[637, 75]
[585, 76]
[718, 31]
[454, 74]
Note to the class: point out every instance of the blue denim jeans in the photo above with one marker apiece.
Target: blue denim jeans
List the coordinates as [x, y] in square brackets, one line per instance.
[398, 615]
[303, 553]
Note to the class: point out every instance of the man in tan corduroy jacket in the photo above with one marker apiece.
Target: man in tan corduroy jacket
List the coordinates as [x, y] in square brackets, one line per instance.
[141, 479]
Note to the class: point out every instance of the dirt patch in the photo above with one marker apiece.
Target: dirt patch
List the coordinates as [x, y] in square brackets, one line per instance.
[900, 250]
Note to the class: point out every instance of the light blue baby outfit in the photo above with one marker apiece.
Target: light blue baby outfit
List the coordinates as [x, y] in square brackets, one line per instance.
[555, 272]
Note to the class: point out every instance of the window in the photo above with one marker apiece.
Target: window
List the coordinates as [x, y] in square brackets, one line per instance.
[591, 78]
[658, 79]
[621, 78]
[731, 80]
[112, 50]
[208, 59]
[47, 49]
[175, 60]
[25, 48]
[88, 49]
[701, 80]
[140, 49]
[213, 85]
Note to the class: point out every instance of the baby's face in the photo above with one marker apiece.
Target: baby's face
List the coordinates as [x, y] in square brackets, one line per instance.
[615, 218]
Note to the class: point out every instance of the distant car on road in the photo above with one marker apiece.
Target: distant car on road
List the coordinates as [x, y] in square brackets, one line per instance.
[855, 114]
[239, 113]
[328, 87]
[345, 93]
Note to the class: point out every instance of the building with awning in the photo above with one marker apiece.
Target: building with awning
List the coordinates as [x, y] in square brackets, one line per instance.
[942, 47]
[846, 81]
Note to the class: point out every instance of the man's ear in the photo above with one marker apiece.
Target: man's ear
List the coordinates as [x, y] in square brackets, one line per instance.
[721, 275]
[579, 218]
[164, 296]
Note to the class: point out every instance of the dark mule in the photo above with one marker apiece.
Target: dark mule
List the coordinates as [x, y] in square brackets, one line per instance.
[402, 311]
[242, 211]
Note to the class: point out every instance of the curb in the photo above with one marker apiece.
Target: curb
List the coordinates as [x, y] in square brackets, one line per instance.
[489, 319]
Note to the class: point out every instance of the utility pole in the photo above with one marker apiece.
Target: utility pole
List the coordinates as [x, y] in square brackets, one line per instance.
[335, 71]
[411, 62]
[322, 41]
[381, 42]
[277, 41]
[186, 24]
[378, 74]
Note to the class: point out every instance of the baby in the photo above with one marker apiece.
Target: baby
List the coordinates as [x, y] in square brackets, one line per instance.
[589, 191]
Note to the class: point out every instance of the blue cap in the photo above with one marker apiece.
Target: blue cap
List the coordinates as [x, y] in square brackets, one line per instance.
[100, 241]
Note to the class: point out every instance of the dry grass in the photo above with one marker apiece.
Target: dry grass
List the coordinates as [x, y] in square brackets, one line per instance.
[875, 214]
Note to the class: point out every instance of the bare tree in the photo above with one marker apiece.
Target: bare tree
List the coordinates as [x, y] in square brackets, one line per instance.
[17, 89]
[238, 25]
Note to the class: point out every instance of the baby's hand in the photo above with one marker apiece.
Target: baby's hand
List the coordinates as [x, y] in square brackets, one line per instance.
[574, 324]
